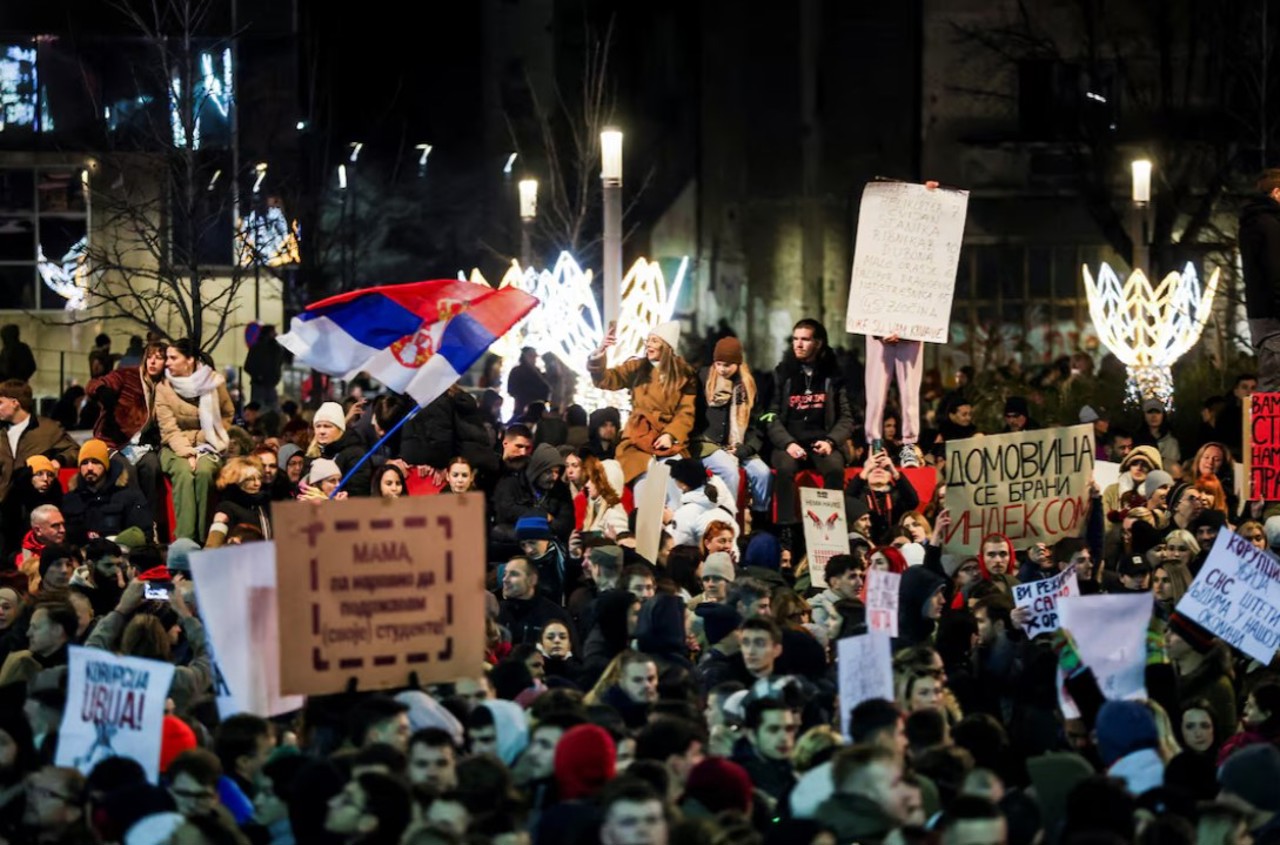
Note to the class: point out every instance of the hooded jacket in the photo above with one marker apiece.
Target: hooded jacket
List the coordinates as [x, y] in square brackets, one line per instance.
[1005, 582]
[608, 634]
[914, 592]
[696, 510]
[660, 631]
[510, 727]
[107, 509]
[518, 494]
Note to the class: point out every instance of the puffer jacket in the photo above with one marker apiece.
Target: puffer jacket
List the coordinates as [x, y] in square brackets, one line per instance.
[180, 420]
[108, 509]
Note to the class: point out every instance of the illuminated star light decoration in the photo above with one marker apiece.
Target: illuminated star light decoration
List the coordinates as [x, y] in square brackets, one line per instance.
[1149, 329]
[567, 321]
[69, 277]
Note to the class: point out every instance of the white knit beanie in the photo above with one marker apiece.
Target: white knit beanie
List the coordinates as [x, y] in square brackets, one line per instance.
[669, 332]
[331, 412]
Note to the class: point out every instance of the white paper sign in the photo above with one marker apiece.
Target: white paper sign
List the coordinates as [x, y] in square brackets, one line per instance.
[1105, 473]
[115, 708]
[236, 596]
[649, 505]
[905, 260]
[1111, 635]
[826, 532]
[1041, 598]
[882, 600]
[1236, 596]
[865, 666]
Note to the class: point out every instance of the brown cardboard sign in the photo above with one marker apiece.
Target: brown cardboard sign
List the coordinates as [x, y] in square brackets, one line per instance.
[377, 589]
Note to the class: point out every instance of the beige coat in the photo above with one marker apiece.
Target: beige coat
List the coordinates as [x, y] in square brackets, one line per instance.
[180, 420]
[671, 407]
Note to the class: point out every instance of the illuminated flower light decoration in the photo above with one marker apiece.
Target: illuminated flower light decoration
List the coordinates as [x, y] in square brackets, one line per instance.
[1148, 330]
[67, 278]
[567, 322]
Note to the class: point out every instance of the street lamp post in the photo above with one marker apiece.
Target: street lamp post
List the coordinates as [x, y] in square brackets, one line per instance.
[528, 213]
[1141, 205]
[611, 181]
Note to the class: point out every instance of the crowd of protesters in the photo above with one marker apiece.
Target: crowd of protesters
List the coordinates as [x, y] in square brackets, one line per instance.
[691, 698]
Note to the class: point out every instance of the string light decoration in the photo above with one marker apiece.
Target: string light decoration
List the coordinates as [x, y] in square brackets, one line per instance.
[1149, 329]
[568, 323]
[68, 278]
[279, 247]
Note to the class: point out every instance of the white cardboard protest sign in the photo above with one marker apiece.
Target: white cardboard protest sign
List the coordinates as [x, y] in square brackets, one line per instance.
[1031, 486]
[826, 532]
[1041, 598]
[905, 260]
[882, 600]
[115, 708]
[649, 505]
[1111, 635]
[236, 596]
[865, 667]
[1236, 596]
[1106, 473]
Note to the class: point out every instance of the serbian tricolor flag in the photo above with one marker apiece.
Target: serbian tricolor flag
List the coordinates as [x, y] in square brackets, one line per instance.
[416, 338]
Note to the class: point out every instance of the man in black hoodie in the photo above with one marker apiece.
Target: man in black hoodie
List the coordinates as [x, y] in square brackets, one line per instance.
[1259, 239]
[536, 487]
[810, 419]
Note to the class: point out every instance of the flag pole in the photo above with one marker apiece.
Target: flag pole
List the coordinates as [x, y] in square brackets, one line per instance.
[375, 447]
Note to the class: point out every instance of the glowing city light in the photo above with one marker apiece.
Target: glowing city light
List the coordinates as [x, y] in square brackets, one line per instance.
[214, 88]
[1149, 328]
[69, 277]
[268, 240]
[568, 323]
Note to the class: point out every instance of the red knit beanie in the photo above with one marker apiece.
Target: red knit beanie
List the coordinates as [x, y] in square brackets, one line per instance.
[719, 784]
[586, 760]
[176, 738]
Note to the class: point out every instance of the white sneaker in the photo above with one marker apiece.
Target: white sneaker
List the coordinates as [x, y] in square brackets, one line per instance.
[908, 457]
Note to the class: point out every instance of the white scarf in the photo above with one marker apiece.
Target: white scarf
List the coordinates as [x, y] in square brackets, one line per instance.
[203, 384]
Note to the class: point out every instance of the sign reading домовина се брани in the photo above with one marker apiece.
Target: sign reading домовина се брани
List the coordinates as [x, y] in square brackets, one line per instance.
[1236, 596]
[1031, 486]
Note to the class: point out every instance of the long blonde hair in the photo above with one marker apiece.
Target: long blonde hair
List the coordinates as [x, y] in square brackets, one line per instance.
[670, 367]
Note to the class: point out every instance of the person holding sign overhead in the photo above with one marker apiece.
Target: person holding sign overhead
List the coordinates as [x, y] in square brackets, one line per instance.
[891, 357]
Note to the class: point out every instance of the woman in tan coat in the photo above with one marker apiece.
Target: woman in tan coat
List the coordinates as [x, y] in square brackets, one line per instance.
[194, 411]
[663, 390]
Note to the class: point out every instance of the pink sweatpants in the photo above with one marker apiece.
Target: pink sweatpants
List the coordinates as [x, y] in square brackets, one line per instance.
[885, 361]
